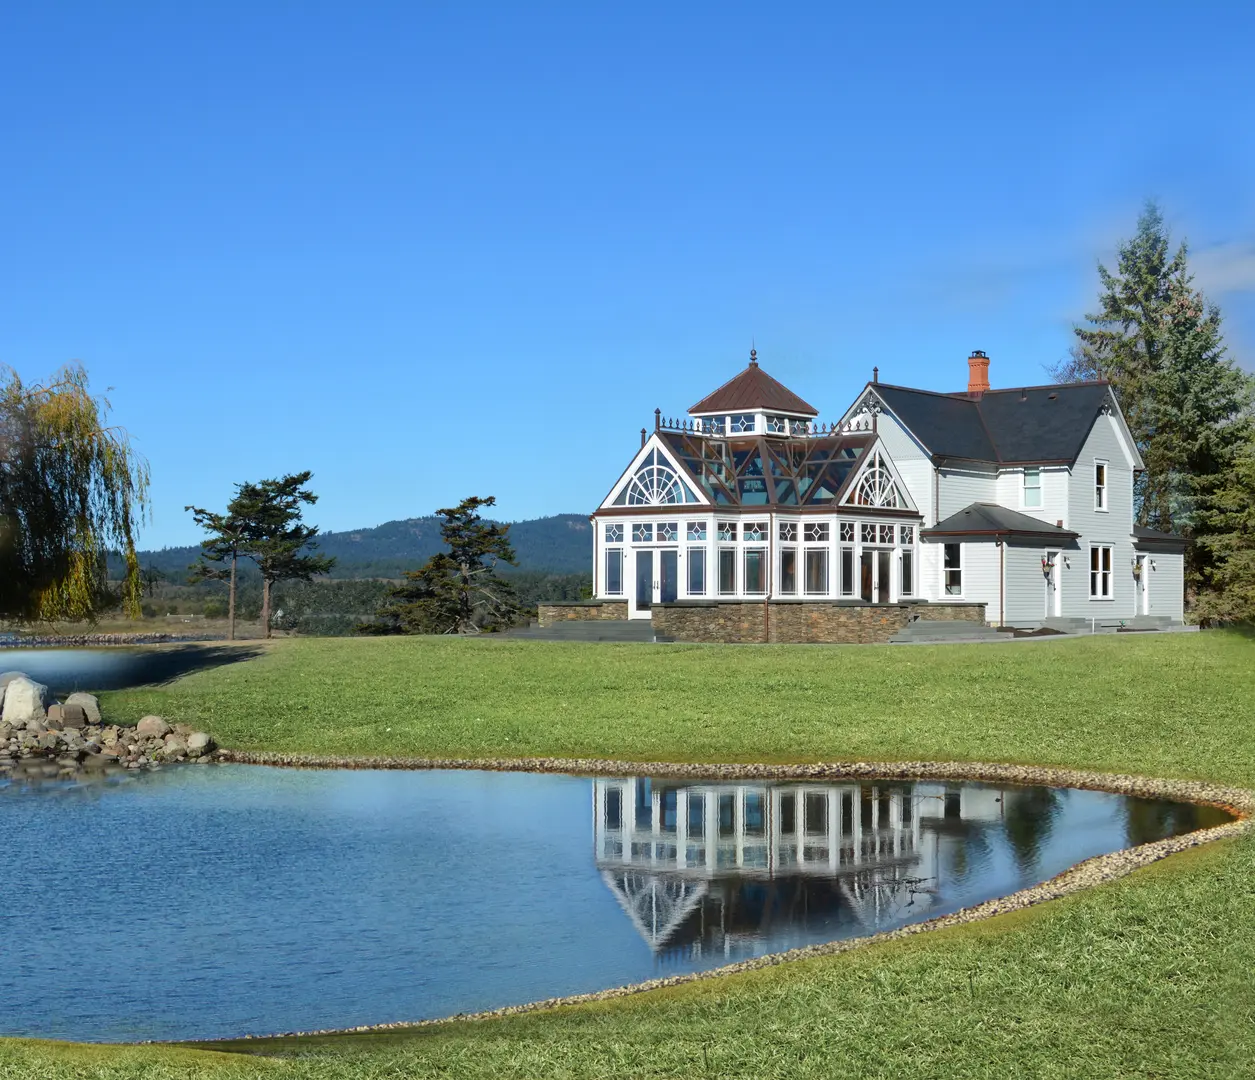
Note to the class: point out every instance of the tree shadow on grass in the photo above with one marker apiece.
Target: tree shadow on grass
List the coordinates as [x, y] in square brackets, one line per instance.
[67, 670]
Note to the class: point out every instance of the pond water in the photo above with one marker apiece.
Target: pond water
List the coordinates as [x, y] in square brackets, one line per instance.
[212, 901]
[117, 667]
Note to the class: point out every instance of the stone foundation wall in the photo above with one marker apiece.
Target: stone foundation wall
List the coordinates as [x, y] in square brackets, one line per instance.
[805, 621]
[581, 610]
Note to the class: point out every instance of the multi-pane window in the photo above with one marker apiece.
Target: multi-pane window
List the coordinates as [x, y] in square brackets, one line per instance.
[713, 425]
[643, 532]
[1100, 572]
[668, 531]
[696, 530]
[742, 423]
[847, 571]
[727, 530]
[754, 530]
[867, 533]
[614, 571]
[775, 424]
[953, 569]
[847, 532]
[907, 534]
[755, 570]
[614, 534]
[788, 531]
[908, 573]
[817, 571]
[727, 571]
[1032, 489]
[1100, 485]
[815, 532]
[886, 534]
[788, 571]
[697, 571]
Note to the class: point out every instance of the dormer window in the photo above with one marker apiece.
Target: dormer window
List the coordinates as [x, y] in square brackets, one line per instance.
[1032, 489]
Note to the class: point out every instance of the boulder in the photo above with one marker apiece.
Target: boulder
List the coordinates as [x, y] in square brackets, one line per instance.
[199, 743]
[152, 727]
[73, 716]
[8, 677]
[174, 745]
[53, 718]
[24, 699]
[89, 704]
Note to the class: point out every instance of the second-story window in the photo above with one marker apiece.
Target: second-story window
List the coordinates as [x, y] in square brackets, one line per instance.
[742, 423]
[1032, 489]
[1100, 485]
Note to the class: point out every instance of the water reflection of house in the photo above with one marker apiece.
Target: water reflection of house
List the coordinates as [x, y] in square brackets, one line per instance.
[731, 867]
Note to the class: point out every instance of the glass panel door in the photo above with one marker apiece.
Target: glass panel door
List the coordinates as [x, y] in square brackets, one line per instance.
[644, 580]
[867, 569]
[668, 568]
[882, 576]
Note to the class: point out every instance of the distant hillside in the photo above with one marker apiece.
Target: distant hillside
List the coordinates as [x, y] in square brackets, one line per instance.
[562, 544]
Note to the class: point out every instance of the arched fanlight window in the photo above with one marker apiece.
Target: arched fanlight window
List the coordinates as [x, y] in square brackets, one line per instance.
[876, 487]
[655, 483]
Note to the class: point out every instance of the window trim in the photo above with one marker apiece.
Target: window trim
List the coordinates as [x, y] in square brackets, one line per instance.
[1102, 503]
[1025, 489]
[1110, 572]
[607, 553]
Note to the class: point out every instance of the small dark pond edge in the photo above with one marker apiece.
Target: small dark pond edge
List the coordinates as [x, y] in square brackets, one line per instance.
[1084, 875]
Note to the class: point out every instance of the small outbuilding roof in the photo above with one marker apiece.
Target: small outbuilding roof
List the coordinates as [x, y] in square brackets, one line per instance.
[993, 520]
[1147, 539]
[750, 389]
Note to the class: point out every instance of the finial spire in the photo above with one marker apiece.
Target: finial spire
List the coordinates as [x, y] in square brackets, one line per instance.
[753, 356]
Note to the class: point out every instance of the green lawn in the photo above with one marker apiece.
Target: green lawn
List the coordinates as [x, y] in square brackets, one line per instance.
[1150, 976]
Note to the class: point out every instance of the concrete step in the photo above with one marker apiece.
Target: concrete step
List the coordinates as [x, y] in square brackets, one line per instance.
[937, 630]
[588, 630]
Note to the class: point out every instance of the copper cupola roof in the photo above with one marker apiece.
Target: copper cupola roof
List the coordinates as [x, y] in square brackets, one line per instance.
[753, 389]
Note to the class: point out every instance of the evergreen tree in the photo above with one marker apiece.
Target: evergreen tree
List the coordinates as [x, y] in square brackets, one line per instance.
[1228, 586]
[457, 591]
[71, 491]
[262, 523]
[1158, 341]
[220, 554]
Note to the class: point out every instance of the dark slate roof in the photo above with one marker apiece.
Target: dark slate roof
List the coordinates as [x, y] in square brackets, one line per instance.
[990, 519]
[753, 388]
[1034, 424]
[1144, 537]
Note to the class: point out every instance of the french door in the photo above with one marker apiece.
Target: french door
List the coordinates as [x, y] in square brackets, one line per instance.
[874, 574]
[656, 576]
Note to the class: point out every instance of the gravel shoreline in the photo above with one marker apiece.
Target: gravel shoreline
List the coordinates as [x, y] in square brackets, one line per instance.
[1084, 875]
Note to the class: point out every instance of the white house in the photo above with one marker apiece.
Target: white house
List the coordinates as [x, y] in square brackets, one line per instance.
[750, 521]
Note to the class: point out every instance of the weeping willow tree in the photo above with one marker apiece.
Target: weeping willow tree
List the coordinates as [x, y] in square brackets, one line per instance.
[72, 490]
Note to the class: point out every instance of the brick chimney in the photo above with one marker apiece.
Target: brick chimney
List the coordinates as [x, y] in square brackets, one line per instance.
[977, 373]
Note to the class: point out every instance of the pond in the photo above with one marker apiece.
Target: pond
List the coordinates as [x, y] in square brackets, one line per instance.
[117, 667]
[201, 902]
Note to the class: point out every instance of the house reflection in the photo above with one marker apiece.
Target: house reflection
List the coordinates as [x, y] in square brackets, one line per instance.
[745, 868]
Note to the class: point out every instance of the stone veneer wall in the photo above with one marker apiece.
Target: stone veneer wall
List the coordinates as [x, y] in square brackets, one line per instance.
[805, 621]
[585, 610]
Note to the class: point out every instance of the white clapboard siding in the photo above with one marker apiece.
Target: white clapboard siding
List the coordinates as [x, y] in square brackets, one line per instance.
[912, 463]
[1054, 494]
[959, 488]
[1166, 583]
[1114, 527]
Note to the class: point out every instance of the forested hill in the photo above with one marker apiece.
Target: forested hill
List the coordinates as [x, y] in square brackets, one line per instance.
[561, 544]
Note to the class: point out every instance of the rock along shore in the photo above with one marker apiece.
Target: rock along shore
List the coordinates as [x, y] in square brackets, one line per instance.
[72, 734]
[30, 641]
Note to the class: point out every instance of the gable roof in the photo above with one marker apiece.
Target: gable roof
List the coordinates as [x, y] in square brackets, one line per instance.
[1031, 425]
[753, 388]
[991, 519]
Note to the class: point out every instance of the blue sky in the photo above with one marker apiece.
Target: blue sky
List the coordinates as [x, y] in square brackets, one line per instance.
[433, 250]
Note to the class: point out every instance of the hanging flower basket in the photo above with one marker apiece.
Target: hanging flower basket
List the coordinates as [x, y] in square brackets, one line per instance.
[1047, 565]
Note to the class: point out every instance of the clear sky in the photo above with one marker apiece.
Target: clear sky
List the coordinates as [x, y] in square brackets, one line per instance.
[429, 250]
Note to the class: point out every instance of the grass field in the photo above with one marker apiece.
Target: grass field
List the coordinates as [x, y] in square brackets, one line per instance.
[1146, 977]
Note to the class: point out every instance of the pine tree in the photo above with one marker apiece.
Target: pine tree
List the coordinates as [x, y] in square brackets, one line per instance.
[1158, 341]
[457, 591]
[262, 523]
[1228, 586]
